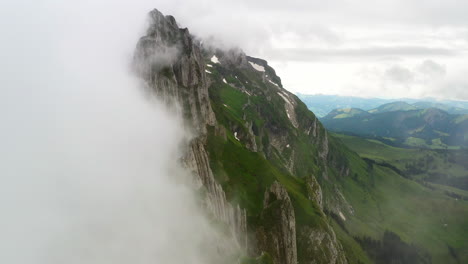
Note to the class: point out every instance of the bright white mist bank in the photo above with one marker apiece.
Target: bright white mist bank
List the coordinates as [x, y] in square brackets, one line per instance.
[88, 163]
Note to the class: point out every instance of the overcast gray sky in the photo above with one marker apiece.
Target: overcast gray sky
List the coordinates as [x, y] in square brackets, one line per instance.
[80, 146]
[383, 48]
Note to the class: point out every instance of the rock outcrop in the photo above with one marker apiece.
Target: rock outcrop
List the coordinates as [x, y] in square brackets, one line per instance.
[172, 64]
[314, 191]
[278, 234]
[320, 246]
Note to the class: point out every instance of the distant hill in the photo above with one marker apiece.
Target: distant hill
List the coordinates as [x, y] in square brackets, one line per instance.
[427, 128]
[321, 105]
[404, 106]
[346, 113]
[395, 106]
[447, 108]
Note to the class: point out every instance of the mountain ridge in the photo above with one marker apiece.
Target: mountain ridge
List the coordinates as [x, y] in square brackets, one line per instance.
[267, 170]
[324, 104]
[224, 126]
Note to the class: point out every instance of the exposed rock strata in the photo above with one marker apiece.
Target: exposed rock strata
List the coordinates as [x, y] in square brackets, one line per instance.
[278, 236]
[321, 246]
[172, 65]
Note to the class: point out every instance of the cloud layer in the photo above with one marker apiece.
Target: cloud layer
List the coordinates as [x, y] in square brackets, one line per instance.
[88, 164]
[311, 43]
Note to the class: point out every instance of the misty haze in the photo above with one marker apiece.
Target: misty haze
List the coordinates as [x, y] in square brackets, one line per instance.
[233, 132]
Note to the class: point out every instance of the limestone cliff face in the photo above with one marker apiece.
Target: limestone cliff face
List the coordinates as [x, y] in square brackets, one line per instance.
[314, 191]
[171, 63]
[233, 101]
[278, 233]
[215, 200]
[320, 246]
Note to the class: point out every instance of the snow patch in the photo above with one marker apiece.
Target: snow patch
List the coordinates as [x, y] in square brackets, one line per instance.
[257, 67]
[289, 107]
[225, 105]
[287, 145]
[209, 65]
[342, 216]
[284, 98]
[224, 80]
[207, 71]
[273, 83]
[235, 135]
[214, 59]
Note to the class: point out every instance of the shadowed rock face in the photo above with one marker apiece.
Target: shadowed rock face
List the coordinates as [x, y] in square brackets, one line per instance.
[172, 65]
[278, 235]
[320, 246]
[176, 68]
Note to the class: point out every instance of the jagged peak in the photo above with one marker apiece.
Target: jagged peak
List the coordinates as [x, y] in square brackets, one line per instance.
[157, 16]
[164, 26]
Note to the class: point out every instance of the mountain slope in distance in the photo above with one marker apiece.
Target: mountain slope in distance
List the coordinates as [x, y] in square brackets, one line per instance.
[346, 113]
[394, 106]
[321, 105]
[429, 128]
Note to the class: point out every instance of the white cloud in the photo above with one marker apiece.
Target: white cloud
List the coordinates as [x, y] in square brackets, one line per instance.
[432, 69]
[399, 74]
[89, 166]
[341, 36]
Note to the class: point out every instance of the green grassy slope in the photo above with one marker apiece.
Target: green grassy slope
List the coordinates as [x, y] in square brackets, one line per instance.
[422, 164]
[249, 109]
[360, 198]
[417, 214]
[421, 214]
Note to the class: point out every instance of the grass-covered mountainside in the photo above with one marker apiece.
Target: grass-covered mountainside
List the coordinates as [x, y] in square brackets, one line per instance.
[434, 167]
[362, 200]
[266, 134]
[399, 124]
[307, 197]
[442, 174]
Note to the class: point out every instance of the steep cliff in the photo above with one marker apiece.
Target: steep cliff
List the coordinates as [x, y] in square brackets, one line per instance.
[172, 65]
[284, 190]
[277, 234]
[256, 147]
